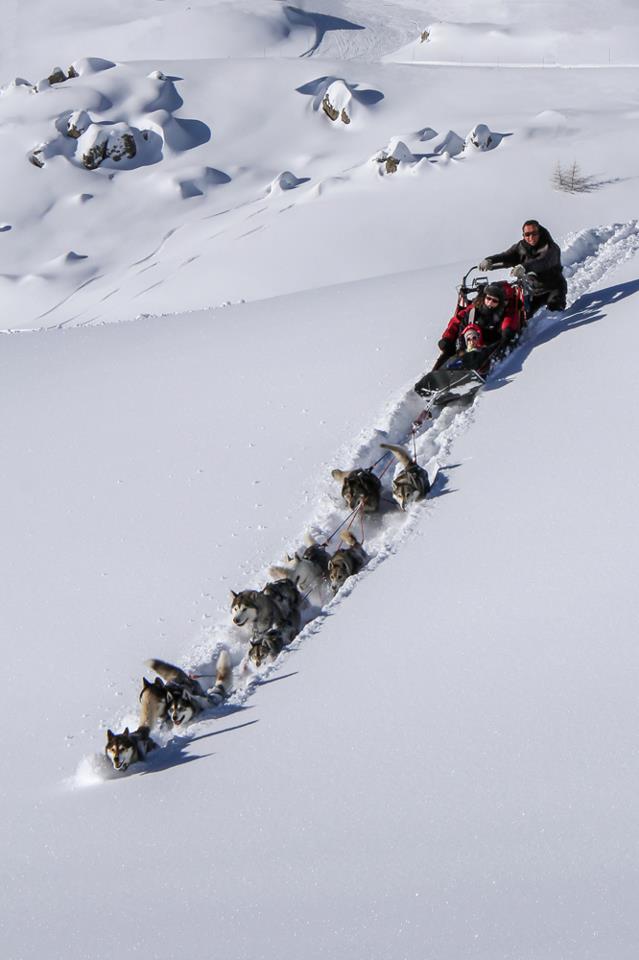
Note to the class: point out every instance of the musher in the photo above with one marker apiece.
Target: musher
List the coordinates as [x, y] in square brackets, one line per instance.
[537, 257]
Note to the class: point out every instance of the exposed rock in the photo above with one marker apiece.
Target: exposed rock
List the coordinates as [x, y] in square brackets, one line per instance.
[395, 153]
[329, 109]
[35, 157]
[107, 143]
[94, 156]
[424, 36]
[337, 98]
[78, 122]
[121, 145]
[72, 73]
[57, 75]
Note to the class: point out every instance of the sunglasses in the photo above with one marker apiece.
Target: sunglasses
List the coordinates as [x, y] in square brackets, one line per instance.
[490, 299]
[531, 233]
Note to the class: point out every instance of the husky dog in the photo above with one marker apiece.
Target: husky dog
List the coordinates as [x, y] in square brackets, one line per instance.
[270, 645]
[306, 569]
[272, 614]
[284, 595]
[126, 748]
[251, 608]
[153, 708]
[264, 613]
[346, 561]
[411, 483]
[359, 488]
[184, 697]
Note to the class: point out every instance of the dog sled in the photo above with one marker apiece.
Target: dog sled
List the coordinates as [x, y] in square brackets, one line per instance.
[457, 378]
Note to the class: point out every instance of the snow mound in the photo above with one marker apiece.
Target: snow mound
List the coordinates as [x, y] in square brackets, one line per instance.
[338, 99]
[90, 136]
[481, 137]
[548, 124]
[393, 155]
[90, 65]
[197, 182]
[284, 181]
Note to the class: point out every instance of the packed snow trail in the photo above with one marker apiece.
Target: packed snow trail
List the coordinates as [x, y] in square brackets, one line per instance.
[588, 256]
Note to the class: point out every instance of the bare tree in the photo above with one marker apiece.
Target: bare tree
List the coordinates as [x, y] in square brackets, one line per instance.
[571, 180]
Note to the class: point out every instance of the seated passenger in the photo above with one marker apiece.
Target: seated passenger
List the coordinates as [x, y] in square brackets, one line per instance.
[473, 354]
[495, 311]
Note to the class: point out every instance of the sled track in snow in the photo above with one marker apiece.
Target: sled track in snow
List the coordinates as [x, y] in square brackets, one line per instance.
[588, 257]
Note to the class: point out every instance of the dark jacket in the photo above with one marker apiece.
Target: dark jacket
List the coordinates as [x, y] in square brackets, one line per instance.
[543, 261]
[494, 324]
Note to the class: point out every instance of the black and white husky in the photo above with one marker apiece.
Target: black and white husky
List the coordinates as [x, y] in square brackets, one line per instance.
[181, 698]
[411, 483]
[346, 561]
[123, 749]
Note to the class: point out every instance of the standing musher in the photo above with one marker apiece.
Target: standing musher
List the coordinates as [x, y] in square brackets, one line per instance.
[537, 257]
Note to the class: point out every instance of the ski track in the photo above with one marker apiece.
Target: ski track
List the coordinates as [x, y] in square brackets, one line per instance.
[588, 256]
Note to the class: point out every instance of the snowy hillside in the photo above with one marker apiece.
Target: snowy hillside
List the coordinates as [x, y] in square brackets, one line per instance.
[231, 236]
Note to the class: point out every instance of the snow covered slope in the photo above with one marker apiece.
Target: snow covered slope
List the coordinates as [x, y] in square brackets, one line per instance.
[442, 765]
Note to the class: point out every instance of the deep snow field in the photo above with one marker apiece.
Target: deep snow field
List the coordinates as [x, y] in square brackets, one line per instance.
[237, 297]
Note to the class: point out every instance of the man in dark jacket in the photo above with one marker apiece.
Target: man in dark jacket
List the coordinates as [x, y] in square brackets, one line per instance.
[538, 257]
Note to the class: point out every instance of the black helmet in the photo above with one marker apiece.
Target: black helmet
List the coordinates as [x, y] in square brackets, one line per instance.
[495, 290]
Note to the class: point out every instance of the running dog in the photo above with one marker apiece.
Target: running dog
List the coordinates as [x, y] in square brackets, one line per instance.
[123, 749]
[153, 706]
[346, 561]
[284, 595]
[411, 483]
[184, 698]
[360, 488]
[272, 614]
[306, 569]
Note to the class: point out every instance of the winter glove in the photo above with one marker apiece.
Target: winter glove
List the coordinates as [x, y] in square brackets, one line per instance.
[519, 272]
[446, 346]
[485, 265]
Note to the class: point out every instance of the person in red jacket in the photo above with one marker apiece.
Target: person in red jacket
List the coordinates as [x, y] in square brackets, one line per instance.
[495, 311]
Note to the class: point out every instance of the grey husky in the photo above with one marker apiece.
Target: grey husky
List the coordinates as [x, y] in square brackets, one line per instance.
[272, 614]
[126, 748]
[346, 561]
[183, 697]
[307, 569]
[411, 483]
[360, 488]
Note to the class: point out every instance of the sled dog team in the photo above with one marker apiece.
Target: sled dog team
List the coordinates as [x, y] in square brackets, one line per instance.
[273, 615]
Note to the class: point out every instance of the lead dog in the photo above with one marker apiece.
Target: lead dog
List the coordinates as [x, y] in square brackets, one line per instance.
[184, 697]
[346, 561]
[411, 483]
[306, 569]
[359, 488]
[123, 749]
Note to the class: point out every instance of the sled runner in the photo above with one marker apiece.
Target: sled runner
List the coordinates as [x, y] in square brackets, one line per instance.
[444, 386]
